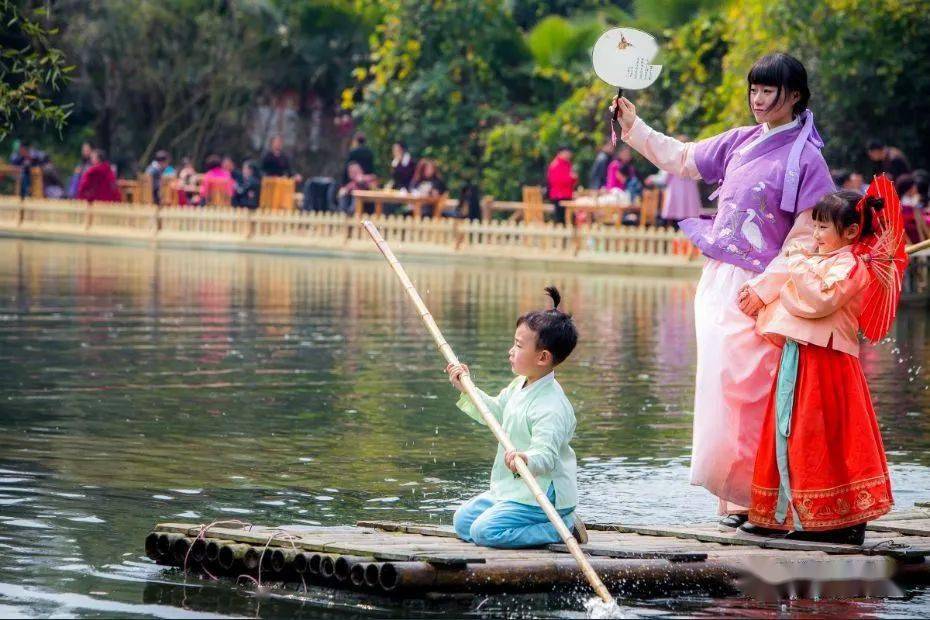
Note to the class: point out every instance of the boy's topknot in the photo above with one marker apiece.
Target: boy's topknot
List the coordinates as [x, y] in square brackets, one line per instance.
[553, 292]
[555, 330]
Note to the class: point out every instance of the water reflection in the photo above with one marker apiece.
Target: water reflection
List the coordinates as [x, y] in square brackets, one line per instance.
[142, 386]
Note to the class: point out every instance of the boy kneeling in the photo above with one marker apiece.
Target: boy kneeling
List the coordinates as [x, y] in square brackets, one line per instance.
[539, 420]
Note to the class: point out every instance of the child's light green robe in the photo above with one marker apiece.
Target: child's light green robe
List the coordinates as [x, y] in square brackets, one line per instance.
[540, 422]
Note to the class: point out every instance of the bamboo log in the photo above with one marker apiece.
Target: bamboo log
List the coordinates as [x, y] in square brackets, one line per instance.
[302, 562]
[540, 575]
[151, 546]
[282, 559]
[357, 574]
[490, 420]
[327, 567]
[316, 562]
[199, 550]
[179, 548]
[372, 574]
[233, 553]
[342, 568]
[165, 541]
[213, 549]
[252, 558]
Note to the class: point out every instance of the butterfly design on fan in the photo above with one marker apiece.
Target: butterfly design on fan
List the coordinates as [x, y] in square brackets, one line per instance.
[623, 44]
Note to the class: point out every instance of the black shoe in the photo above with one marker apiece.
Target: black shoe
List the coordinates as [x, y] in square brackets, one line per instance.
[733, 521]
[758, 530]
[579, 531]
[854, 535]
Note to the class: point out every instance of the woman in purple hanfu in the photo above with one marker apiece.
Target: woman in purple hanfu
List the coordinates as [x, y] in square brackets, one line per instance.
[768, 178]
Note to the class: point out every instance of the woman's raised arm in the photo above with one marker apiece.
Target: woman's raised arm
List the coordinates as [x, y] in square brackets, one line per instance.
[667, 153]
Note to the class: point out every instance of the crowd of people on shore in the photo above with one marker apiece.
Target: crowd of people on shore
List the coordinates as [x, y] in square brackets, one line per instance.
[614, 173]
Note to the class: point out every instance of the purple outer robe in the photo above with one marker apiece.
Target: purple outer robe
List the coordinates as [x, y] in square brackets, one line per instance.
[760, 193]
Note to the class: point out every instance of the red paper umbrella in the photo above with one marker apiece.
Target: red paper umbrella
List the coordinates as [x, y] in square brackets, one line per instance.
[884, 256]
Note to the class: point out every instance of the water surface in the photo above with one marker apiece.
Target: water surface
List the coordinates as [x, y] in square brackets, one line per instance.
[139, 386]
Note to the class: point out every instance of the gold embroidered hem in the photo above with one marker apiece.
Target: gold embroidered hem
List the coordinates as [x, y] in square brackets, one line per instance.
[825, 509]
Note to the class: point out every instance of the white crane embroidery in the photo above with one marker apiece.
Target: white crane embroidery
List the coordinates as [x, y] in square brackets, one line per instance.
[751, 231]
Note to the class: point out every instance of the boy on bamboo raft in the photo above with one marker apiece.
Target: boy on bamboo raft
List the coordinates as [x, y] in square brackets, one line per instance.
[539, 420]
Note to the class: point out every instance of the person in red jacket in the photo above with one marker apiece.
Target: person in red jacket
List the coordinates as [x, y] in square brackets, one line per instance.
[98, 183]
[561, 179]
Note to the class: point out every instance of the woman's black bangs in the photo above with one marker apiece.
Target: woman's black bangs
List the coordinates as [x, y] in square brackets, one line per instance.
[769, 72]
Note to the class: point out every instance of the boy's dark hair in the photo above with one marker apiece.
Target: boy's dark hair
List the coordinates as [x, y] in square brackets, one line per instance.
[784, 72]
[555, 330]
[839, 209]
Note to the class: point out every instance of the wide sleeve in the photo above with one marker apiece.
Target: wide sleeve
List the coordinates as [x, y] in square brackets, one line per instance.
[551, 426]
[495, 404]
[814, 294]
[768, 284]
[816, 182]
[665, 152]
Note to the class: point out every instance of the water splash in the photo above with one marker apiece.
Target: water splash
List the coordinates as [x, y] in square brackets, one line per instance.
[597, 608]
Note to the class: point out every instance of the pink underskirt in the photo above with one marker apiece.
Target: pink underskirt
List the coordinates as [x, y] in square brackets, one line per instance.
[735, 370]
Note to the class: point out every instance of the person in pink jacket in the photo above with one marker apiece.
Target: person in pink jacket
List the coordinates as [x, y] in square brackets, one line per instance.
[216, 181]
[98, 183]
[561, 180]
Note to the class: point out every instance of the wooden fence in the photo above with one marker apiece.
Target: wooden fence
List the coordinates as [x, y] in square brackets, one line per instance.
[645, 246]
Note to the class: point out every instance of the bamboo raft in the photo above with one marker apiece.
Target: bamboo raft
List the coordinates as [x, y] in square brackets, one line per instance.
[409, 560]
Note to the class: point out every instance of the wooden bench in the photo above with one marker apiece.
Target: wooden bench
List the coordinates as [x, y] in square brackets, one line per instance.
[36, 187]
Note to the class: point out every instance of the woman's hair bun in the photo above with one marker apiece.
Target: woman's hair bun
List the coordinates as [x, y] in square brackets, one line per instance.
[876, 203]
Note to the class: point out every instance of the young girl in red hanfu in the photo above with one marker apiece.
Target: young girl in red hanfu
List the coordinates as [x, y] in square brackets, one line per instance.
[820, 472]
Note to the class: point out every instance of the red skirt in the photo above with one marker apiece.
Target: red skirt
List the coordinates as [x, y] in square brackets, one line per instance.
[836, 462]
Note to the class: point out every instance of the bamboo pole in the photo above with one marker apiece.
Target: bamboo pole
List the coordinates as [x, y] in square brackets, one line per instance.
[917, 247]
[489, 419]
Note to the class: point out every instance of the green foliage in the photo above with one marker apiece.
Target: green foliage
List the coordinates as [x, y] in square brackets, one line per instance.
[30, 68]
[513, 157]
[488, 89]
[866, 62]
[528, 12]
[315, 45]
[657, 15]
[180, 89]
[692, 56]
[187, 75]
[581, 122]
[558, 42]
[517, 154]
[442, 72]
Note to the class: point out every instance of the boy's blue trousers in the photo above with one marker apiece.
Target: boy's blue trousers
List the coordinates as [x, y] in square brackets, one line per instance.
[506, 524]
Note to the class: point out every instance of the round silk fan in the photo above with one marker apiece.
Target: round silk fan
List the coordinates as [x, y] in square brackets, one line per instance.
[622, 57]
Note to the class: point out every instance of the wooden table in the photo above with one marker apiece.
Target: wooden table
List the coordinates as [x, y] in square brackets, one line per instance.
[515, 209]
[381, 196]
[130, 190]
[602, 207]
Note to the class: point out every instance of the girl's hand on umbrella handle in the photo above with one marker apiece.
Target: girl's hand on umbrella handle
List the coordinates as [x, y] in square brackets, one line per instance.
[625, 112]
[455, 372]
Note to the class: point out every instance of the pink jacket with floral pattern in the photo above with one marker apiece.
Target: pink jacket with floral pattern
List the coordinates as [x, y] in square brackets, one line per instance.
[812, 298]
